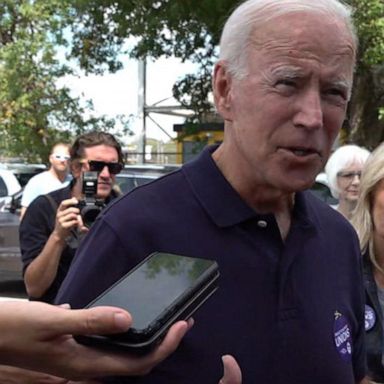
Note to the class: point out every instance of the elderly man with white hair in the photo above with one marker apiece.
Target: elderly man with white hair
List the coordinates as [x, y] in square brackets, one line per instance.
[289, 308]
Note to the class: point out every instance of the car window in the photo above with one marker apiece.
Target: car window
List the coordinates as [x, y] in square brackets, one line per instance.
[143, 180]
[3, 188]
[128, 182]
[23, 177]
[125, 184]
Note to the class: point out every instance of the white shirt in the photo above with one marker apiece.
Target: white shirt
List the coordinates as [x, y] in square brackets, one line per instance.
[42, 184]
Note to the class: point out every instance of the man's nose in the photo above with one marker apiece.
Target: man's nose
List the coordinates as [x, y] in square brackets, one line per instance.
[309, 112]
[105, 172]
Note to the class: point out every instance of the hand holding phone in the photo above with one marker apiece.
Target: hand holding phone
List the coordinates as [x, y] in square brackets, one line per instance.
[161, 290]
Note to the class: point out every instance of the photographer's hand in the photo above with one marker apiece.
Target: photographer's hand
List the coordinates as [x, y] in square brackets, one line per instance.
[81, 227]
[67, 217]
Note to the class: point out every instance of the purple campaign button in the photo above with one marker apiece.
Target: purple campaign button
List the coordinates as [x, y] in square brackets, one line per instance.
[369, 318]
[342, 337]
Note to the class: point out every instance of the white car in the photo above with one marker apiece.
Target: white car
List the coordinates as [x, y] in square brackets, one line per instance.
[9, 185]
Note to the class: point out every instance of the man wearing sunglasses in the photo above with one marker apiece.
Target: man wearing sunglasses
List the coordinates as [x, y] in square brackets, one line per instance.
[55, 178]
[52, 227]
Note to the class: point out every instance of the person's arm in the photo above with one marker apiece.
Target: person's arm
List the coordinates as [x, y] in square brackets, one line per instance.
[41, 272]
[37, 336]
[22, 212]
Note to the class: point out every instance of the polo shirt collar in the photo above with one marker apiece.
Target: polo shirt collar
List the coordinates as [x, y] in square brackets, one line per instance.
[220, 200]
[222, 203]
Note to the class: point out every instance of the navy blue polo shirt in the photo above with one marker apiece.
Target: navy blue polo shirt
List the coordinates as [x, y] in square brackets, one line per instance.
[289, 312]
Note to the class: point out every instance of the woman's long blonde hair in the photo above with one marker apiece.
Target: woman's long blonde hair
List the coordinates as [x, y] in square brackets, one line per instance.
[372, 174]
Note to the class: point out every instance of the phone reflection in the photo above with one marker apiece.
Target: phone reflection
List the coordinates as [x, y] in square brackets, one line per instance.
[157, 287]
[183, 266]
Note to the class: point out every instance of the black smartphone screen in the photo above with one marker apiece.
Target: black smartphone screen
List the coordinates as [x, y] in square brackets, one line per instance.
[156, 288]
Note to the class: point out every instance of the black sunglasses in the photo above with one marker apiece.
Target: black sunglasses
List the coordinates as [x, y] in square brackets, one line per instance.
[98, 166]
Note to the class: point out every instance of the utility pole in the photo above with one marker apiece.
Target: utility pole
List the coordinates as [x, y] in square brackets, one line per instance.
[142, 100]
[145, 110]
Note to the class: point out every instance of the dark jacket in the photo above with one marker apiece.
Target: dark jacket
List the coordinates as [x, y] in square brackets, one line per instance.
[374, 324]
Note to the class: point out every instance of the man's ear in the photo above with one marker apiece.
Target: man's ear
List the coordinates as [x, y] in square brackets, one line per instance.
[76, 169]
[221, 84]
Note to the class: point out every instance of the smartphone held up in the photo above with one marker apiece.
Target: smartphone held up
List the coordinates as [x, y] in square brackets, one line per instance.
[163, 289]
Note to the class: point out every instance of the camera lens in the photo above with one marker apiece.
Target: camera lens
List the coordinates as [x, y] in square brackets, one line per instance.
[89, 214]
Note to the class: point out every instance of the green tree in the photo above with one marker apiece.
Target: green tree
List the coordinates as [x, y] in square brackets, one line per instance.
[35, 111]
[190, 29]
[366, 124]
[185, 29]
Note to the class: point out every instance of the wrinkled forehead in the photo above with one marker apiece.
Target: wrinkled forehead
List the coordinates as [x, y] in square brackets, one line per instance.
[303, 42]
[307, 33]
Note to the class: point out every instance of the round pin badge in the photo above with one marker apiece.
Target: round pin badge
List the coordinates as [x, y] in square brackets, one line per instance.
[369, 318]
[342, 337]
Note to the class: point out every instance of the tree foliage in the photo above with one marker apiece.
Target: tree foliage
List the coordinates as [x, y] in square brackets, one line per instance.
[27, 72]
[185, 29]
[190, 30]
[366, 107]
[35, 111]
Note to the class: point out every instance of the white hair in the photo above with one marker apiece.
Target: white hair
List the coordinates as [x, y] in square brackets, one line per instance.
[342, 158]
[236, 35]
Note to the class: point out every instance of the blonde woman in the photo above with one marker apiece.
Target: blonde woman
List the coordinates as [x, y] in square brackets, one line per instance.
[368, 220]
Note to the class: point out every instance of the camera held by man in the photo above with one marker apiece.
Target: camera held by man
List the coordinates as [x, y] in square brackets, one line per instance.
[90, 206]
[56, 223]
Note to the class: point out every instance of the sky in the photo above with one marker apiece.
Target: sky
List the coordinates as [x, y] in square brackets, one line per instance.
[114, 94]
